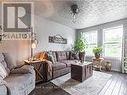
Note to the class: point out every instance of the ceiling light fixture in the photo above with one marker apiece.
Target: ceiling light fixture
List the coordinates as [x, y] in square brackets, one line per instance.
[75, 11]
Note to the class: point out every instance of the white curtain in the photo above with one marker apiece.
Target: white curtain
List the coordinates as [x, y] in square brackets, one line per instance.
[124, 49]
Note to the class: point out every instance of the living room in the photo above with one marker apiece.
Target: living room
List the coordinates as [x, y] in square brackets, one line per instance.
[48, 47]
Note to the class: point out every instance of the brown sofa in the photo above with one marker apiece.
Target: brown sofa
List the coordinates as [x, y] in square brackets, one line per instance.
[61, 66]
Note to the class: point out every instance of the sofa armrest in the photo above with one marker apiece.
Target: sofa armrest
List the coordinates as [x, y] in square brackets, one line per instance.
[23, 70]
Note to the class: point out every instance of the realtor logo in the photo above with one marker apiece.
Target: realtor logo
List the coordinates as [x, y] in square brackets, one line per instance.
[17, 17]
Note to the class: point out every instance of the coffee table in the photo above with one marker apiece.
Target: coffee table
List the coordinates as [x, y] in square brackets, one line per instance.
[81, 71]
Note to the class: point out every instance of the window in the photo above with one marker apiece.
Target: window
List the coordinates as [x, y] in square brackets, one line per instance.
[91, 39]
[112, 41]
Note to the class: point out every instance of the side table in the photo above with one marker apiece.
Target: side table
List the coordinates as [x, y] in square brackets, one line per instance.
[38, 67]
[97, 63]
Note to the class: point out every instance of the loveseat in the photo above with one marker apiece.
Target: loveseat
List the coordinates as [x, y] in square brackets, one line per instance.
[61, 63]
[15, 80]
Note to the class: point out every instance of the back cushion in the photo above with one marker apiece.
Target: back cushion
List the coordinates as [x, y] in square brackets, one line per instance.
[61, 55]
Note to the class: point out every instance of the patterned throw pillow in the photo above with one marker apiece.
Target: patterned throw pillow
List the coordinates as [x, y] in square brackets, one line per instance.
[51, 57]
[3, 72]
[3, 62]
[74, 56]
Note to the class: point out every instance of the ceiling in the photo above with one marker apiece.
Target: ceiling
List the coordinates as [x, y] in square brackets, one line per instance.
[92, 12]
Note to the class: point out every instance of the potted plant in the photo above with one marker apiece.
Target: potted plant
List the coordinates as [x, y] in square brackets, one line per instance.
[79, 47]
[97, 51]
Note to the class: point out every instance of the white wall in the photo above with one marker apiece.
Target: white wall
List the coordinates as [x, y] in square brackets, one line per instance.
[45, 28]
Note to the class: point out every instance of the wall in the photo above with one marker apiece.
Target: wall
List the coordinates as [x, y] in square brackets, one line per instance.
[116, 64]
[47, 28]
[20, 50]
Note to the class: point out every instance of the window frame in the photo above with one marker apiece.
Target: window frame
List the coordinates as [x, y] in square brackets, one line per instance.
[112, 42]
[88, 32]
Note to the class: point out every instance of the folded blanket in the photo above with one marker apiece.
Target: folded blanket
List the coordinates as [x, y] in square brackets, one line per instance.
[22, 70]
[44, 57]
[49, 67]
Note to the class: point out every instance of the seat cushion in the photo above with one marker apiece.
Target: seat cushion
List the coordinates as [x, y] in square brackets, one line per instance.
[18, 83]
[58, 66]
[69, 62]
[61, 55]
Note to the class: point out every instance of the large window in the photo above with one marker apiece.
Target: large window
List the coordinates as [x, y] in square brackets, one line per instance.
[112, 41]
[91, 39]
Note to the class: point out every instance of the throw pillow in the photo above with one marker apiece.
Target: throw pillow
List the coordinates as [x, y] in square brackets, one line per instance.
[5, 66]
[68, 55]
[43, 56]
[1, 57]
[54, 56]
[3, 62]
[11, 63]
[74, 56]
[51, 57]
[3, 72]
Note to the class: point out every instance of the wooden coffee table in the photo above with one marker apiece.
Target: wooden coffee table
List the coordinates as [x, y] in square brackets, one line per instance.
[81, 71]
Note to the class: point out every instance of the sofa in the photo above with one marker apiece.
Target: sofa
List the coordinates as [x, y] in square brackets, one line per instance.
[61, 63]
[18, 80]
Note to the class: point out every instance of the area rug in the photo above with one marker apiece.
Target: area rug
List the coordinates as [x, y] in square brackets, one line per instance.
[48, 89]
[91, 86]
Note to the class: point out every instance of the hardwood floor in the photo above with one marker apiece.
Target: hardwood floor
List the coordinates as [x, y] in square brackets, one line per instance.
[117, 85]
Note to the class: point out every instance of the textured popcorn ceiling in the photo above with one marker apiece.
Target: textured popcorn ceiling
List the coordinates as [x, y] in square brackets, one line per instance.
[92, 12]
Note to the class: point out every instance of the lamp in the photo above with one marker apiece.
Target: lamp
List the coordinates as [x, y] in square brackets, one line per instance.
[74, 10]
[34, 42]
[33, 46]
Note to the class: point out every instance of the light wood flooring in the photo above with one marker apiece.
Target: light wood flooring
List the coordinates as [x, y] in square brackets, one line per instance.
[117, 85]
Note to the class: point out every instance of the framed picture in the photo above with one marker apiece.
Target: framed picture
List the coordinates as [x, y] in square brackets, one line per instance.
[57, 39]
